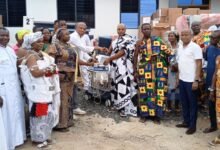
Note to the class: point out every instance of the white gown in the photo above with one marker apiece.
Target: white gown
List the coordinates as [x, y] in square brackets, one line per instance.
[13, 107]
[3, 143]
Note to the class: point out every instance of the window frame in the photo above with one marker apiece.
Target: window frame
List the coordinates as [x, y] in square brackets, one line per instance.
[76, 13]
[6, 19]
[138, 21]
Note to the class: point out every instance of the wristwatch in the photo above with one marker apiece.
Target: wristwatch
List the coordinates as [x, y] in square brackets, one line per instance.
[210, 89]
[197, 81]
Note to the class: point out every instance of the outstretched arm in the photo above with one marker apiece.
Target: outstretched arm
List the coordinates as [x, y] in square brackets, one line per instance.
[137, 47]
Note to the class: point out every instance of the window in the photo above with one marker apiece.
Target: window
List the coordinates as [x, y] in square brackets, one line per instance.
[77, 10]
[129, 13]
[14, 15]
[133, 10]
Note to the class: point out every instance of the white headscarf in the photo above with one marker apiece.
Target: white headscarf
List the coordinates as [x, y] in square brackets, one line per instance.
[31, 38]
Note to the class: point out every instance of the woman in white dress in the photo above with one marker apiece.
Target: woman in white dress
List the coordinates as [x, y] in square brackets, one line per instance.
[40, 78]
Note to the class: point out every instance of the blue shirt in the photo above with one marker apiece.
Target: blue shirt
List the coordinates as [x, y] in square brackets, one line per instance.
[211, 53]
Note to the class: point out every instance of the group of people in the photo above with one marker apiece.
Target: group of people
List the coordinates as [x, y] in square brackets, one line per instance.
[147, 76]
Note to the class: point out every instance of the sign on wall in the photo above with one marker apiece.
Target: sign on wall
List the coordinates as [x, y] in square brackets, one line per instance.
[28, 22]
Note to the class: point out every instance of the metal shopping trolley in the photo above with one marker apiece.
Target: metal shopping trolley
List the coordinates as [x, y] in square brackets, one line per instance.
[100, 86]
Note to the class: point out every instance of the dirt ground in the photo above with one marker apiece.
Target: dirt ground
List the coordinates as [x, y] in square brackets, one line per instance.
[103, 130]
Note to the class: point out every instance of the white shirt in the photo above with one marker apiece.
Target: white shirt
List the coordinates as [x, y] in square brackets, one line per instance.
[83, 43]
[213, 28]
[186, 58]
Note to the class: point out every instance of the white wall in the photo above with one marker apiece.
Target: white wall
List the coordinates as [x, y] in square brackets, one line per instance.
[12, 32]
[107, 17]
[42, 10]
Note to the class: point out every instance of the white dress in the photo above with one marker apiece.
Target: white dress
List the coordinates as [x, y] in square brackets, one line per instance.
[3, 143]
[13, 107]
[38, 91]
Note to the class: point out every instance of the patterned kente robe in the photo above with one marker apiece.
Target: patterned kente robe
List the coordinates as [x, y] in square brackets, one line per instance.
[123, 93]
[153, 74]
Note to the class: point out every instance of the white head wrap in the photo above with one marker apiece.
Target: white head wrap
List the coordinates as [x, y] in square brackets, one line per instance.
[31, 38]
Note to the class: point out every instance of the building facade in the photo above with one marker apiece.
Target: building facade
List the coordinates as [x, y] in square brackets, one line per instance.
[102, 16]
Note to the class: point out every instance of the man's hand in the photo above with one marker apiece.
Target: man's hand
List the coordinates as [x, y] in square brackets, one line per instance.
[177, 83]
[90, 63]
[195, 85]
[102, 49]
[107, 61]
[1, 101]
[136, 76]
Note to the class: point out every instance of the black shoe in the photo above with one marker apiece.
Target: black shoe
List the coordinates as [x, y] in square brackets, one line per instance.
[209, 130]
[182, 125]
[191, 131]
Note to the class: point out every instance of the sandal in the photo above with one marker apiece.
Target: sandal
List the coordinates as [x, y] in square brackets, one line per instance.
[215, 141]
[156, 121]
[42, 145]
[61, 129]
[112, 109]
[142, 120]
[168, 110]
[50, 142]
[122, 113]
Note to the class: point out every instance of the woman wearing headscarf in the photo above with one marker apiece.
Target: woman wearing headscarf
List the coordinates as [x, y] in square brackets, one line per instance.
[41, 84]
[67, 62]
[19, 36]
[121, 59]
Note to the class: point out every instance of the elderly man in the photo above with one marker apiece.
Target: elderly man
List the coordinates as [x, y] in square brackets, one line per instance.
[80, 39]
[189, 57]
[13, 103]
[123, 93]
[60, 24]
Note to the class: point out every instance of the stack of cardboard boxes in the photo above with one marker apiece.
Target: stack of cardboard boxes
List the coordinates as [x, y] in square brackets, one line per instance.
[164, 19]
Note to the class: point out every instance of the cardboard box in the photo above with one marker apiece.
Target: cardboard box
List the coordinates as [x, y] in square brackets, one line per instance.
[173, 14]
[155, 15]
[191, 11]
[162, 25]
[160, 30]
[204, 11]
[164, 19]
[155, 32]
[163, 12]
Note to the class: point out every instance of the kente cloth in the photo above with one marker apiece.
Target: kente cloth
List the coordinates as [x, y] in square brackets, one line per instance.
[153, 74]
[218, 95]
